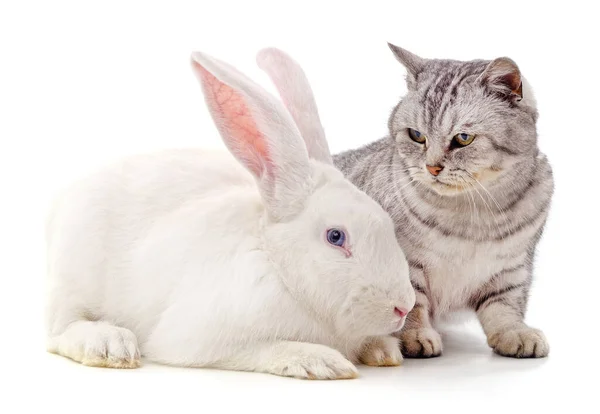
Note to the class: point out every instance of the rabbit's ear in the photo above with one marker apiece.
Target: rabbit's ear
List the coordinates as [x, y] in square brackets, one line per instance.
[295, 91]
[259, 132]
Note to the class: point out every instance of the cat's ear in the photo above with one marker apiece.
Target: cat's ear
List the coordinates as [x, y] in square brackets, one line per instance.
[503, 75]
[413, 63]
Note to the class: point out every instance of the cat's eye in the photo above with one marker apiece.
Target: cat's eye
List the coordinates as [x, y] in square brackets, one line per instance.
[416, 136]
[463, 139]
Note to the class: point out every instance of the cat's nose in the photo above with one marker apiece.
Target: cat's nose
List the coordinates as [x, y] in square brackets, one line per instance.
[435, 169]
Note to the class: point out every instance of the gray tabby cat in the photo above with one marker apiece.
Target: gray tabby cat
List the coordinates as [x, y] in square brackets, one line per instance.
[469, 192]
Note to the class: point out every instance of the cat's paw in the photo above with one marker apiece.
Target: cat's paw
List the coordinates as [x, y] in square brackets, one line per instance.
[522, 342]
[381, 351]
[326, 364]
[421, 343]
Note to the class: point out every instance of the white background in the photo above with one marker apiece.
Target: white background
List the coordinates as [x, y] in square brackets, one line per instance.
[83, 82]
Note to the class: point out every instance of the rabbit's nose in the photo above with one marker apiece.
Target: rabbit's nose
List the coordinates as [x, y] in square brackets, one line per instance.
[401, 312]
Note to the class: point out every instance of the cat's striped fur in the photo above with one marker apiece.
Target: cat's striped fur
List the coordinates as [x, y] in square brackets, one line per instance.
[470, 233]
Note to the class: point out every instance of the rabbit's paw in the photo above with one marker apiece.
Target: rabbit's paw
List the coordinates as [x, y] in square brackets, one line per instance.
[316, 362]
[522, 342]
[98, 345]
[113, 348]
[381, 351]
[421, 343]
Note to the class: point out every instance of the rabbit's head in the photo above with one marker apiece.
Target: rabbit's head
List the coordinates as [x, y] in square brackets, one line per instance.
[334, 247]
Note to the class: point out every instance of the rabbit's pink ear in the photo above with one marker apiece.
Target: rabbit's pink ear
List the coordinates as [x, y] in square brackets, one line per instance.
[296, 93]
[259, 132]
[235, 122]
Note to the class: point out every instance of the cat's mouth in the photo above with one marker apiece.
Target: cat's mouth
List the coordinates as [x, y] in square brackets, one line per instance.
[457, 180]
[446, 188]
[445, 185]
[440, 185]
[454, 181]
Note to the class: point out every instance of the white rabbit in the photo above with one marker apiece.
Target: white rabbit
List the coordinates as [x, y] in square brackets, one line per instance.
[268, 261]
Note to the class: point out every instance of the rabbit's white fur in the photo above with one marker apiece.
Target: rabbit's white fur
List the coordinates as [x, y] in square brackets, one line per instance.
[198, 258]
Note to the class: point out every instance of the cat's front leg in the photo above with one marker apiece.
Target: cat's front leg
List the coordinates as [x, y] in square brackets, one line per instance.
[500, 307]
[380, 351]
[418, 338]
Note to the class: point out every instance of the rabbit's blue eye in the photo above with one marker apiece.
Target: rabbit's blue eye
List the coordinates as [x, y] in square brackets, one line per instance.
[336, 237]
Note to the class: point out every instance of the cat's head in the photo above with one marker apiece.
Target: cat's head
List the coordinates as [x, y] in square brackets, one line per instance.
[462, 122]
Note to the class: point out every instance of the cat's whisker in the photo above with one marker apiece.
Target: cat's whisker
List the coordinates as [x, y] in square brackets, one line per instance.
[489, 209]
[504, 218]
[412, 180]
[473, 206]
[394, 184]
[487, 192]
[487, 206]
